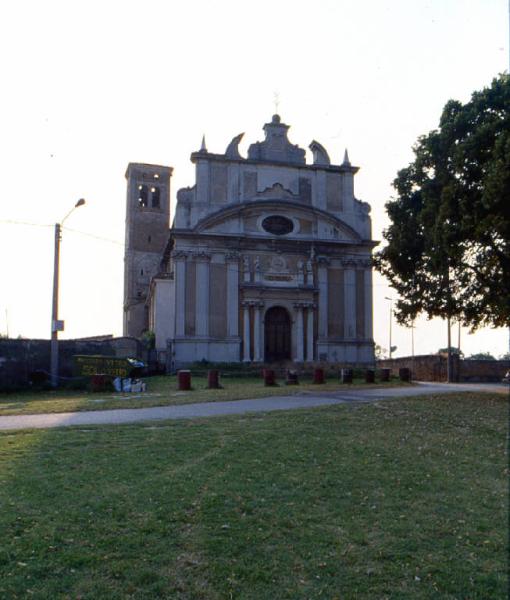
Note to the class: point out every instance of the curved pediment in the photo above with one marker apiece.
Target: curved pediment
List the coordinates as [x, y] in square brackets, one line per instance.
[251, 218]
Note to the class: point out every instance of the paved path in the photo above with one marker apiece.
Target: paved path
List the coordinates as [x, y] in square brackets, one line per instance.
[236, 407]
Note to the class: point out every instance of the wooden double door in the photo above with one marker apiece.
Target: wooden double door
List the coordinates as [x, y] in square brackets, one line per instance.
[277, 335]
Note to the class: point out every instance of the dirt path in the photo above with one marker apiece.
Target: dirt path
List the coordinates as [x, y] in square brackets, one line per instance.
[236, 407]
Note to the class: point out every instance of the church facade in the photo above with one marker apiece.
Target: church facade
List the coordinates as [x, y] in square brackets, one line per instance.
[268, 258]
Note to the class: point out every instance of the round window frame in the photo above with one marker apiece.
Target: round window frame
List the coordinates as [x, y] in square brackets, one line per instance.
[293, 220]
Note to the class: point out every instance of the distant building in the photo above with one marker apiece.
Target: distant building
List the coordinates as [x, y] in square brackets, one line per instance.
[268, 258]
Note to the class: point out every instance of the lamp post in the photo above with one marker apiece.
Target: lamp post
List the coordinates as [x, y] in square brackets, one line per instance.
[391, 314]
[57, 325]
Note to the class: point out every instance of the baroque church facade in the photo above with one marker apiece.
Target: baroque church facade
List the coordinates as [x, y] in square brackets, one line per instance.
[268, 258]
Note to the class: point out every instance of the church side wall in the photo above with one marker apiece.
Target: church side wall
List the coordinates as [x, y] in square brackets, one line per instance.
[163, 304]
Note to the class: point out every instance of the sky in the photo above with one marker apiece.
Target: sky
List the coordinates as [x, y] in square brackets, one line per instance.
[90, 86]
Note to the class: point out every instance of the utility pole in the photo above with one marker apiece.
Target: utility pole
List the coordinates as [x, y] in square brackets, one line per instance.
[57, 325]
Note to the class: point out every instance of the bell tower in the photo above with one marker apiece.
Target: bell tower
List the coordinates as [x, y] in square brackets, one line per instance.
[147, 225]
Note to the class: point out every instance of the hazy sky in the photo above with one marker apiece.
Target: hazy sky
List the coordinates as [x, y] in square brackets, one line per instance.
[88, 87]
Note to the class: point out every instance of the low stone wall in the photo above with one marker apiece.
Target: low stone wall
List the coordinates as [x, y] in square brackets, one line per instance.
[432, 367]
[19, 359]
[483, 370]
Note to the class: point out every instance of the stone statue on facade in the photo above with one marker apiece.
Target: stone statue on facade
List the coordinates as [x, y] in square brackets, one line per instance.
[246, 268]
[301, 272]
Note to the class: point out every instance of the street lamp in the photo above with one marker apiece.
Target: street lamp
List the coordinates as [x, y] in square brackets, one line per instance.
[57, 325]
[391, 311]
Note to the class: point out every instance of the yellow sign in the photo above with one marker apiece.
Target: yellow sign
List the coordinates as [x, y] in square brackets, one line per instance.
[103, 365]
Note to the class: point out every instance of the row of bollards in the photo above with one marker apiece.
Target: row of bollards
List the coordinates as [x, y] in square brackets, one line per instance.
[184, 380]
[346, 376]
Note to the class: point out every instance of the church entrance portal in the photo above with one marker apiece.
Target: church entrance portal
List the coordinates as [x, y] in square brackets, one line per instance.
[277, 329]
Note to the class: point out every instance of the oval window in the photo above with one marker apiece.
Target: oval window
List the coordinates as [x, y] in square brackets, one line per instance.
[277, 225]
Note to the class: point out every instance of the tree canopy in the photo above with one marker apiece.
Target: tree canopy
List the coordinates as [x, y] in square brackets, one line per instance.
[481, 356]
[448, 244]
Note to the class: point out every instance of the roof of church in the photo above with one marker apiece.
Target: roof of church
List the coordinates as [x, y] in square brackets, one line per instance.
[276, 148]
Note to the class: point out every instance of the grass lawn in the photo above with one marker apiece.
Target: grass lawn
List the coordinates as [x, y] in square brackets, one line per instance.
[399, 499]
[161, 391]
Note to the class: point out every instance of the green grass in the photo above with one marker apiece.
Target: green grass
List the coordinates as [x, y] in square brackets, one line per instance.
[398, 499]
[161, 391]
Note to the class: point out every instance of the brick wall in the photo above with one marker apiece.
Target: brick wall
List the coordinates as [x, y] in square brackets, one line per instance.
[432, 367]
[20, 358]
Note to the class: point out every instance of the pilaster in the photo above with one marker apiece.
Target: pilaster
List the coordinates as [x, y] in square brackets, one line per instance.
[232, 260]
[322, 276]
[299, 333]
[202, 294]
[309, 333]
[368, 304]
[350, 299]
[246, 332]
[257, 332]
[179, 259]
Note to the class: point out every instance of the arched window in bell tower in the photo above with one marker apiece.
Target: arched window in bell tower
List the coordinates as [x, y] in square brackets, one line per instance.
[142, 196]
[155, 197]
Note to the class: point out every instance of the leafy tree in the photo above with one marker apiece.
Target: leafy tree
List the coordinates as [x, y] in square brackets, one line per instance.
[453, 350]
[481, 356]
[505, 356]
[149, 339]
[380, 352]
[448, 245]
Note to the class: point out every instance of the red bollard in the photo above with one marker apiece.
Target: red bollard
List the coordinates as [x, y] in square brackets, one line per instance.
[268, 375]
[99, 383]
[318, 376]
[385, 374]
[213, 380]
[369, 376]
[183, 380]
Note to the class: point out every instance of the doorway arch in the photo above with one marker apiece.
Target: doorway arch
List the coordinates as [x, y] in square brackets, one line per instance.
[277, 334]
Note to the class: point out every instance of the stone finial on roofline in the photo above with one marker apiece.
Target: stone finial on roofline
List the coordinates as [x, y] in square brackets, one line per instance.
[320, 155]
[232, 150]
[346, 162]
[203, 147]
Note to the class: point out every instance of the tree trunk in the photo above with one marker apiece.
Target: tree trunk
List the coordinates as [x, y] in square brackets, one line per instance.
[449, 358]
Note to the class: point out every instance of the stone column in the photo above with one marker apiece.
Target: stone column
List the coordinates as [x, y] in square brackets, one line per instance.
[299, 333]
[368, 304]
[257, 341]
[350, 300]
[232, 294]
[309, 333]
[202, 294]
[179, 259]
[246, 332]
[322, 276]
